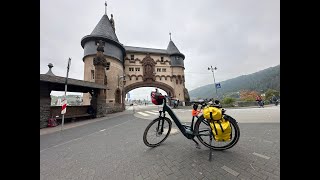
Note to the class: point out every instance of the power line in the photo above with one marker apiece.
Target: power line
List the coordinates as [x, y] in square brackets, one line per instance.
[196, 73]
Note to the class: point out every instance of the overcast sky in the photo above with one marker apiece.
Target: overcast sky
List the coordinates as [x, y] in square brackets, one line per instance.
[238, 37]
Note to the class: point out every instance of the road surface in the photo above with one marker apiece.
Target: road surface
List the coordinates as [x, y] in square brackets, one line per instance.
[112, 148]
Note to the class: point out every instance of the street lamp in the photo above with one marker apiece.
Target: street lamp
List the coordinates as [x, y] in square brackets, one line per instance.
[214, 80]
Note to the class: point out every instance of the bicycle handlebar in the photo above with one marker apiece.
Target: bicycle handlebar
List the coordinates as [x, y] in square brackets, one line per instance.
[204, 103]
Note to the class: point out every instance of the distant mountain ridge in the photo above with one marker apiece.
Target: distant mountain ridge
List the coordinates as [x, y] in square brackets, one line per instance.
[259, 81]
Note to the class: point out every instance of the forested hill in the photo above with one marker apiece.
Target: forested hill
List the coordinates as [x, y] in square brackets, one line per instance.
[262, 80]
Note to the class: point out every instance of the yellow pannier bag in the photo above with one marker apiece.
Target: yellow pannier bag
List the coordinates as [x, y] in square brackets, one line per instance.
[221, 130]
[212, 113]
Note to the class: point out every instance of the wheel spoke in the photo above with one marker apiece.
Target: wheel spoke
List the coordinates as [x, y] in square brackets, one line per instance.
[153, 136]
[203, 134]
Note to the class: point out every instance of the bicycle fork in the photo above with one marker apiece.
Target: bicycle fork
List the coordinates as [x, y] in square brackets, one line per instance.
[160, 131]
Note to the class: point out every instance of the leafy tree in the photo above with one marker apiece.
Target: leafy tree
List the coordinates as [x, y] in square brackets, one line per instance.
[271, 92]
[247, 95]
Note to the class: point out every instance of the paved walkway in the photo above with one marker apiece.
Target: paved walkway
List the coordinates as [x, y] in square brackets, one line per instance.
[69, 125]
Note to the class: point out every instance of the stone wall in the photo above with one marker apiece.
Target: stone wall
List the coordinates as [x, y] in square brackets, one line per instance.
[114, 109]
[246, 103]
[44, 111]
[71, 110]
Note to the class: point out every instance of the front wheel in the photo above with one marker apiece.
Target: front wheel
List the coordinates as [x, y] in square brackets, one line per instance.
[157, 131]
[203, 131]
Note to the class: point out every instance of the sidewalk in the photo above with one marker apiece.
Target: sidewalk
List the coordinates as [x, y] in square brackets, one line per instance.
[49, 130]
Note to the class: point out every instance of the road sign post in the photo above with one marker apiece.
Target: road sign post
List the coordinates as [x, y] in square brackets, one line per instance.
[64, 104]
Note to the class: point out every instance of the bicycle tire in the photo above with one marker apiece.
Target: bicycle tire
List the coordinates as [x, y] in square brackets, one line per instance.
[145, 134]
[229, 144]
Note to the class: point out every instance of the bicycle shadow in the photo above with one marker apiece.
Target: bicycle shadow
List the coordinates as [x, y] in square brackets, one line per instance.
[181, 150]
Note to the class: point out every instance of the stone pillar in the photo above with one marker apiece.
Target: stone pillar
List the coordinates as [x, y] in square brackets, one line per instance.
[45, 103]
[100, 64]
[101, 106]
[101, 109]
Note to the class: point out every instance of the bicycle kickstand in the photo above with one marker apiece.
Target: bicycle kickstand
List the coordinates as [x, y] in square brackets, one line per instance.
[210, 153]
[197, 144]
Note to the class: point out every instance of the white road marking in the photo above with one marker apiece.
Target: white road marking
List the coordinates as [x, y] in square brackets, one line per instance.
[84, 136]
[229, 170]
[174, 131]
[252, 166]
[143, 114]
[102, 130]
[260, 155]
[151, 112]
[267, 141]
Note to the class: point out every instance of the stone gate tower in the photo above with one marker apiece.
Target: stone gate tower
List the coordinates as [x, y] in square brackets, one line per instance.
[131, 67]
[114, 53]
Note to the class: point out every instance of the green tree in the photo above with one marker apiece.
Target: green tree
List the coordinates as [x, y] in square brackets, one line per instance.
[271, 92]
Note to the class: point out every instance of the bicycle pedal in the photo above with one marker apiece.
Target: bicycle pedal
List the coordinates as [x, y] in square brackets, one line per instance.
[198, 146]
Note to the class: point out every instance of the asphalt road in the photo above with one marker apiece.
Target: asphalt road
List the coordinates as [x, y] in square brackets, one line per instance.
[112, 148]
[269, 114]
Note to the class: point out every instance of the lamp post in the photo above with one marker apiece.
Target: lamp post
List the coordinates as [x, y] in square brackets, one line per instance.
[214, 80]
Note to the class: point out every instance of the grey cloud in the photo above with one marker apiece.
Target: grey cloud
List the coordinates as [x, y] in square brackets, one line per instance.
[239, 37]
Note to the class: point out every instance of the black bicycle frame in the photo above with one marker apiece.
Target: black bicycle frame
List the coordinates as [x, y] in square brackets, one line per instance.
[182, 128]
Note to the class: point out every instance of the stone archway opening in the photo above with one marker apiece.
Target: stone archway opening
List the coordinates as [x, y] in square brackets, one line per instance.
[141, 95]
[148, 87]
[166, 88]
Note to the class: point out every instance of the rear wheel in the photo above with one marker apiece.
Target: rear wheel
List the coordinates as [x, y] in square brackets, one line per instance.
[203, 130]
[157, 132]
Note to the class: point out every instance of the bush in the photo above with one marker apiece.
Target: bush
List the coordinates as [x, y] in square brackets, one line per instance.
[272, 92]
[228, 100]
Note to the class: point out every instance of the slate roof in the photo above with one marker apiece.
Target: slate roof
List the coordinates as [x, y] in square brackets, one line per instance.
[104, 28]
[74, 82]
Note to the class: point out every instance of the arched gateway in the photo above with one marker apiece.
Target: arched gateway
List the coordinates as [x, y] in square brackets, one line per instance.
[131, 67]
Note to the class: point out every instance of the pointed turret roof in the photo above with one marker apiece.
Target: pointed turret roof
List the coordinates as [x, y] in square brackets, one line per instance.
[173, 50]
[104, 29]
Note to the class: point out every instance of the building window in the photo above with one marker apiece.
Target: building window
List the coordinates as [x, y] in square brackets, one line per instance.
[161, 59]
[176, 81]
[130, 69]
[158, 69]
[163, 69]
[132, 57]
[92, 74]
[137, 69]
